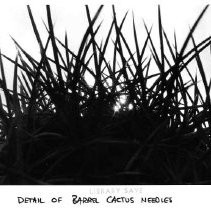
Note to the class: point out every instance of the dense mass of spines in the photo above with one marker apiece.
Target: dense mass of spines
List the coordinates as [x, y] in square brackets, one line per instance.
[57, 128]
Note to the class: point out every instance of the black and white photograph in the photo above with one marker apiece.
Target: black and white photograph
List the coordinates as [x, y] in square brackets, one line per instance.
[105, 93]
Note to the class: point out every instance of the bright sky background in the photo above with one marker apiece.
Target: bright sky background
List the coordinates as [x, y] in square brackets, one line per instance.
[70, 16]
